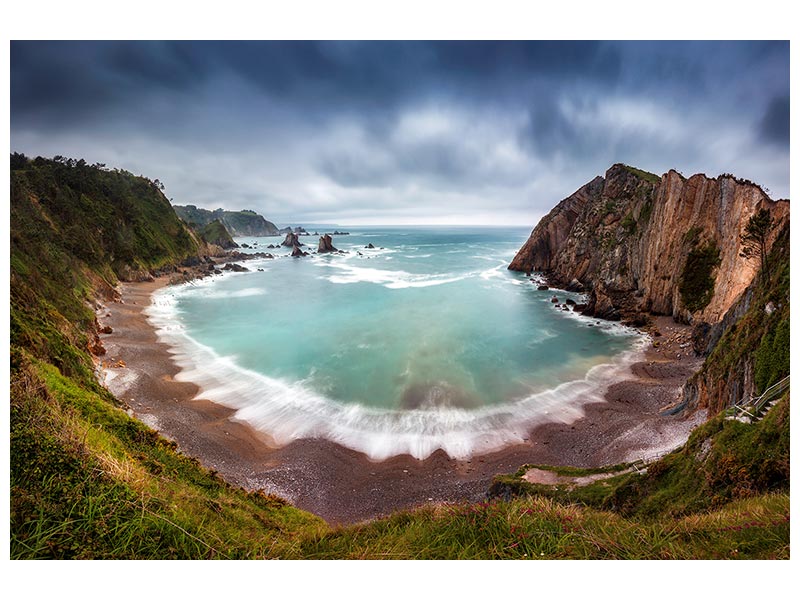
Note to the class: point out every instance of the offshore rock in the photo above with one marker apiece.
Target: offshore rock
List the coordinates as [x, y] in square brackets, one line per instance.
[291, 240]
[235, 268]
[325, 244]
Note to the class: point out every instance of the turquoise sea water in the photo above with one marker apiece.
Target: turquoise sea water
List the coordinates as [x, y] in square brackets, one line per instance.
[424, 342]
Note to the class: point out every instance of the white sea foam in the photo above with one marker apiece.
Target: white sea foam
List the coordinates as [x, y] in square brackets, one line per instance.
[393, 280]
[290, 410]
[222, 294]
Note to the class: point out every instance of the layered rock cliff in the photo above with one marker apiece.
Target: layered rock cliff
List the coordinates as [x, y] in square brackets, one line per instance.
[748, 350]
[640, 243]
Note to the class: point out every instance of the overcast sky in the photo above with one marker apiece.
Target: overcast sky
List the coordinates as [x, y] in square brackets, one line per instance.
[389, 132]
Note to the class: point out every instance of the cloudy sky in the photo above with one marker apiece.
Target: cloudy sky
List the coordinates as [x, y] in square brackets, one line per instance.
[389, 132]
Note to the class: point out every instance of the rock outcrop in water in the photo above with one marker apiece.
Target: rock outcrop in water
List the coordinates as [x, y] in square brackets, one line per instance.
[291, 240]
[640, 243]
[326, 245]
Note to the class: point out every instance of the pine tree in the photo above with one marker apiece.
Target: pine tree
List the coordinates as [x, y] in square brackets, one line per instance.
[754, 238]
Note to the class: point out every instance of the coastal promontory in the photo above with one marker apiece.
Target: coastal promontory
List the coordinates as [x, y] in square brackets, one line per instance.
[641, 243]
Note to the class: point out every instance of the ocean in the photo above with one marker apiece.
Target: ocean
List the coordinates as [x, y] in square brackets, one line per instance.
[425, 342]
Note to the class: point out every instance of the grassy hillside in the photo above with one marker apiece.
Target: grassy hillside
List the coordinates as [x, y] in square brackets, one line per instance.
[723, 461]
[88, 481]
[75, 230]
[215, 233]
[238, 223]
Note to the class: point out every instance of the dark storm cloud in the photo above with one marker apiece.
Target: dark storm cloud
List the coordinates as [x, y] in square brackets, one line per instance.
[312, 128]
[775, 124]
[315, 73]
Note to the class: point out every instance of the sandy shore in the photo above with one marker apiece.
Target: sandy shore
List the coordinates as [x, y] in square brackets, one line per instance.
[342, 485]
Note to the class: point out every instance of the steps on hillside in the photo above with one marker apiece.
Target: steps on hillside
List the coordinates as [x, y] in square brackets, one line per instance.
[759, 405]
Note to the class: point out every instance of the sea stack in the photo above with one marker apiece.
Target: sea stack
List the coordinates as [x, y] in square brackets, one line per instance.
[326, 244]
[291, 240]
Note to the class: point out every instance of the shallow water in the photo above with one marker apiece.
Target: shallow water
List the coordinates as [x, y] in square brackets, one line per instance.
[424, 342]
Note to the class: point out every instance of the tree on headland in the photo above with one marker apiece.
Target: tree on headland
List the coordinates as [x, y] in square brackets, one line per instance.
[18, 161]
[754, 238]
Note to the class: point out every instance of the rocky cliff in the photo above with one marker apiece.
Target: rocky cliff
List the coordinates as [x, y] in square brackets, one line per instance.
[748, 350]
[640, 243]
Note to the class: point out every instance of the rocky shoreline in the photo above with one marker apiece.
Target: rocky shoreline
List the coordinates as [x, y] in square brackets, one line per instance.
[342, 485]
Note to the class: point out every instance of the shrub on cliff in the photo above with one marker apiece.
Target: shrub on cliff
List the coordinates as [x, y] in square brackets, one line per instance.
[697, 280]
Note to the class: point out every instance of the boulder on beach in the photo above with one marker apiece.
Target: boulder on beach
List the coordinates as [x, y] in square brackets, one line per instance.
[543, 288]
[554, 300]
[570, 301]
[575, 286]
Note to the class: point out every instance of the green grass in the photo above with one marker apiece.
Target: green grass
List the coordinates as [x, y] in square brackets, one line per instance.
[542, 529]
[215, 233]
[723, 461]
[90, 482]
[649, 177]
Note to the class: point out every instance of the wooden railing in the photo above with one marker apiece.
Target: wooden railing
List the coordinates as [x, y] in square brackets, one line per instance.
[756, 404]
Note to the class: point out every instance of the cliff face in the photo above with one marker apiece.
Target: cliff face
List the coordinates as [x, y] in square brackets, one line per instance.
[644, 244]
[748, 350]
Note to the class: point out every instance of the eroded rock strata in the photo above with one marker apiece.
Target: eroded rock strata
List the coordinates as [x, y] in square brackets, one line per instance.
[641, 244]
